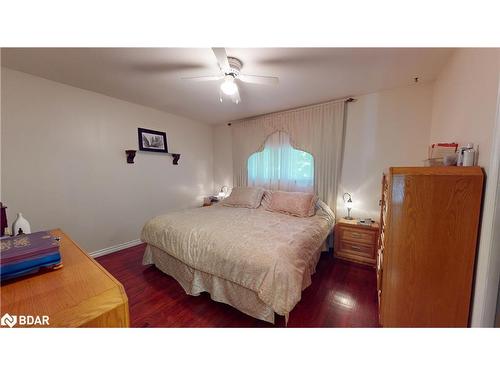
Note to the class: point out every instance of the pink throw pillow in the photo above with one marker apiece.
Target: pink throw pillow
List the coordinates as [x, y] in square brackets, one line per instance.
[293, 203]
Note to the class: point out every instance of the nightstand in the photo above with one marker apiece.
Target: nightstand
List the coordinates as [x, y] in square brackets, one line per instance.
[356, 242]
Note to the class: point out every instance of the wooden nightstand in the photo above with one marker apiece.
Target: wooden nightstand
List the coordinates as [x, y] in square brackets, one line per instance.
[356, 242]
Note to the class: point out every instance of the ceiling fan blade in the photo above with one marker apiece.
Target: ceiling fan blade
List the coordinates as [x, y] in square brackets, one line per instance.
[221, 55]
[204, 78]
[260, 80]
[235, 98]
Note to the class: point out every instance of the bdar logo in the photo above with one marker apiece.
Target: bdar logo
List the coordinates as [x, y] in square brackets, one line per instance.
[24, 320]
[8, 320]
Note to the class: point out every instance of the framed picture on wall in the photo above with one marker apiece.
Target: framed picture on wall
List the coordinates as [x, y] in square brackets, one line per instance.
[152, 140]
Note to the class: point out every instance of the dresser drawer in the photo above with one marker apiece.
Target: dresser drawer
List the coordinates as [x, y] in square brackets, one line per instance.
[359, 236]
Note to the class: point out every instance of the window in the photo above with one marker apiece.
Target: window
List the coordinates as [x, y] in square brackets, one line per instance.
[279, 166]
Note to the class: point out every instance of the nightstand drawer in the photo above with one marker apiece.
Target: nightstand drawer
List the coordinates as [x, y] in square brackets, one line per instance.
[365, 250]
[357, 235]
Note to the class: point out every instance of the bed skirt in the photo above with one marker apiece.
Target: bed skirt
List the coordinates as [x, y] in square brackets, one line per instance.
[194, 282]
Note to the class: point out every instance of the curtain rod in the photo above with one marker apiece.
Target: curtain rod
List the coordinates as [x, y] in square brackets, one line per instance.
[346, 100]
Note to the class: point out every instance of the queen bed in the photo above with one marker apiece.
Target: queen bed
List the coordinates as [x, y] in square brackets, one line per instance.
[253, 259]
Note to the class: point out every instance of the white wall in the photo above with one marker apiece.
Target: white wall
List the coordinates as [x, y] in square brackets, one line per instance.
[386, 128]
[64, 165]
[465, 98]
[465, 108]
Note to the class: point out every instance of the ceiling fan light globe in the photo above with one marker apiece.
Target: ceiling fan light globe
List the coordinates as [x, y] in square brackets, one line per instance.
[229, 87]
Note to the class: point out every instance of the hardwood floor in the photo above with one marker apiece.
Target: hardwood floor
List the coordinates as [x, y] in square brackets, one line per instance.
[342, 294]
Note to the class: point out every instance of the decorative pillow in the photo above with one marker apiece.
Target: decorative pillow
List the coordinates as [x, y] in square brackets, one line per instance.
[324, 210]
[244, 197]
[266, 200]
[293, 203]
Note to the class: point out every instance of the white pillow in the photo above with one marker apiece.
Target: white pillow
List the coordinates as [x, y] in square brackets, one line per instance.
[244, 197]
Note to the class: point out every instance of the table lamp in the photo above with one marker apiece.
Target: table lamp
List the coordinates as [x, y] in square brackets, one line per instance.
[348, 204]
[223, 192]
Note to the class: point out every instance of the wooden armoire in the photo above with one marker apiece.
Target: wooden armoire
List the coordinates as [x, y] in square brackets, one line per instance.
[427, 246]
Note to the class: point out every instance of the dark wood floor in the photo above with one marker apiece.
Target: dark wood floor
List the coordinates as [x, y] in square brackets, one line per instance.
[342, 294]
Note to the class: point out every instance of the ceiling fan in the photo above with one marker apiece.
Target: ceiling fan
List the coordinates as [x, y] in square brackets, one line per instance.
[230, 68]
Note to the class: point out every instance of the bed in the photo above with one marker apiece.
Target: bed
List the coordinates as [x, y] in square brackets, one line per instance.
[250, 258]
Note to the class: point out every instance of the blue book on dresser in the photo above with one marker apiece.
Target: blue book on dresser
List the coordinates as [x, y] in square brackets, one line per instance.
[28, 254]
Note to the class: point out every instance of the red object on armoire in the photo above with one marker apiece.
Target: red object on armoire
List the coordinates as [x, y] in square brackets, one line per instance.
[3, 219]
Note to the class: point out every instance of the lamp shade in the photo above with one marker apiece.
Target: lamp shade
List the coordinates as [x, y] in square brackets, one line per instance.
[348, 204]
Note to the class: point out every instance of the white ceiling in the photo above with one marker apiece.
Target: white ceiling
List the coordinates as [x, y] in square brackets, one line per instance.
[152, 76]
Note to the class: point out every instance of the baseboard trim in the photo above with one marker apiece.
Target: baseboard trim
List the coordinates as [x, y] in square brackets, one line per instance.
[114, 248]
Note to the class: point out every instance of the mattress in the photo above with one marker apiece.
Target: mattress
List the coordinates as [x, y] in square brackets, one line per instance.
[270, 254]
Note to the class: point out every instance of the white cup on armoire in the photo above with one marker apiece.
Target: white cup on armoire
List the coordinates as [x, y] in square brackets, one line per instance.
[468, 160]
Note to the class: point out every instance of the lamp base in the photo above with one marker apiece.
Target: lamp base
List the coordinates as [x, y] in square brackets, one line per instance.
[348, 218]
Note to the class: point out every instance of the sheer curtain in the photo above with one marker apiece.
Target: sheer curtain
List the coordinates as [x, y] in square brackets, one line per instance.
[316, 129]
[281, 167]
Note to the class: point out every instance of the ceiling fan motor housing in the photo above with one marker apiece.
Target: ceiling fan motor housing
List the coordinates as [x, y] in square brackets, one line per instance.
[235, 66]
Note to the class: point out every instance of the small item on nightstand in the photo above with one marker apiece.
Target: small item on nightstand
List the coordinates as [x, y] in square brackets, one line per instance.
[208, 201]
[21, 225]
[367, 221]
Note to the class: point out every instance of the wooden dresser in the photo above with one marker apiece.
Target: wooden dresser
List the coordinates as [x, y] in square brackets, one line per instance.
[80, 294]
[427, 245]
[356, 242]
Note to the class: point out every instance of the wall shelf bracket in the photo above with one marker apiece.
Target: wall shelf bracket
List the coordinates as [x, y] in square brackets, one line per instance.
[131, 155]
